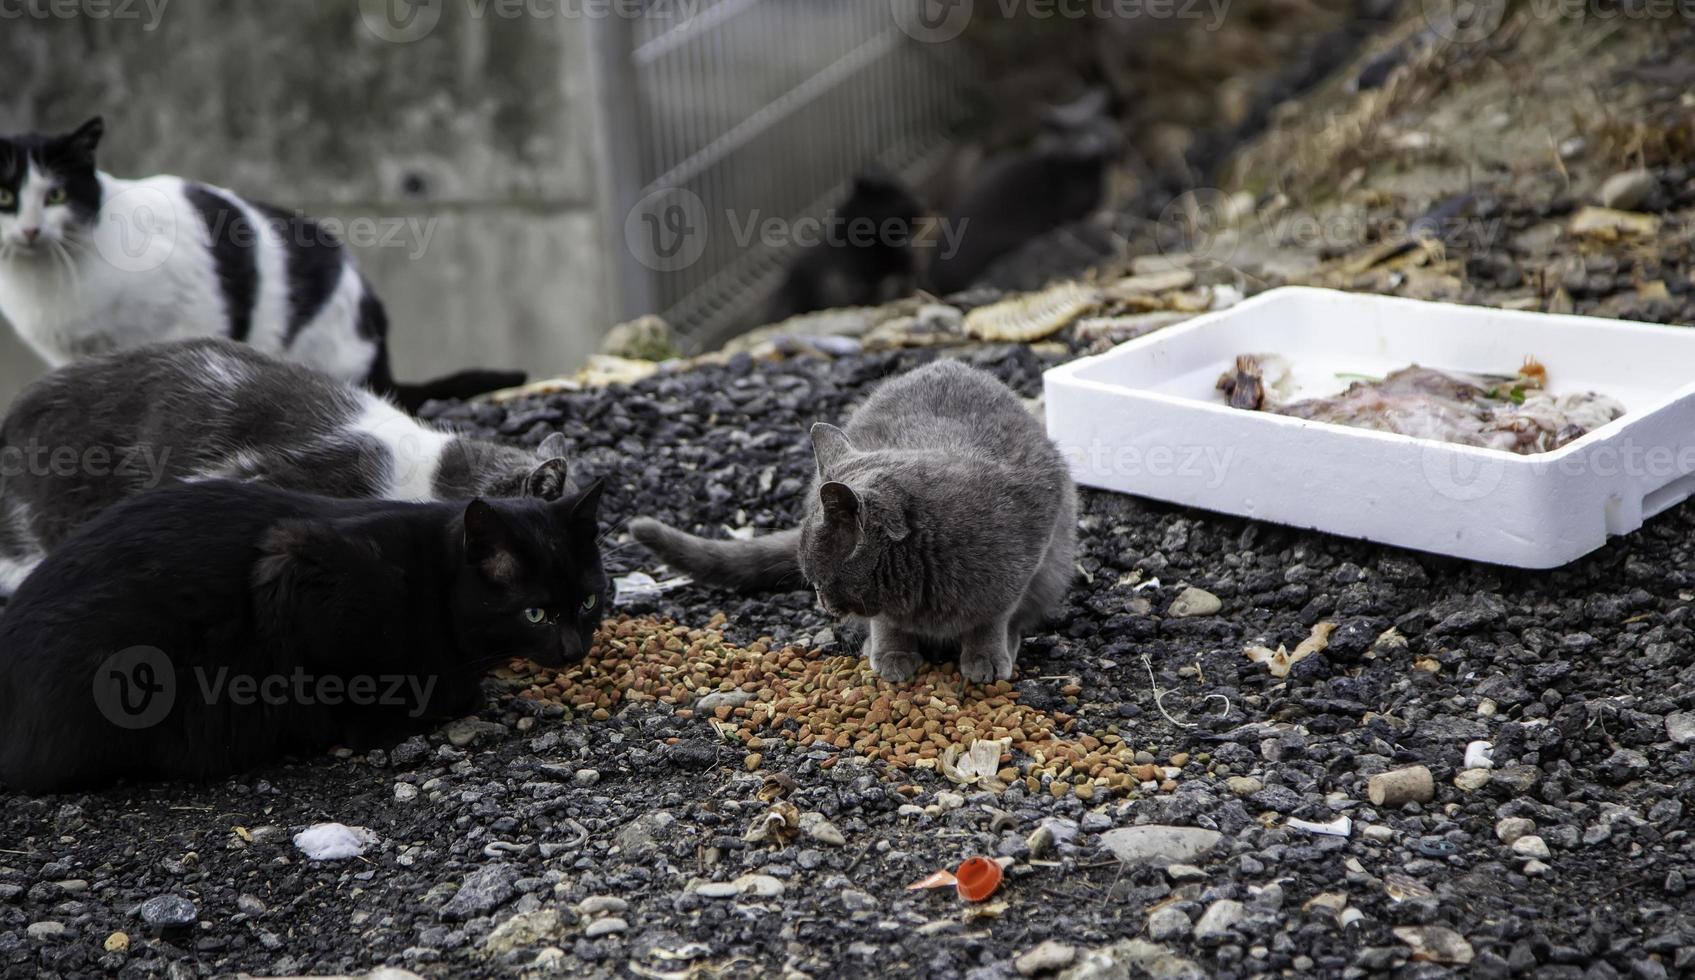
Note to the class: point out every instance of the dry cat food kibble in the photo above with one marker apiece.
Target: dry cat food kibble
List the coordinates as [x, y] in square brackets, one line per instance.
[1514, 413]
[767, 694]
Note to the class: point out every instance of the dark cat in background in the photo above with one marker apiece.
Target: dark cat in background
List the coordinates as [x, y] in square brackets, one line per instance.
[865, 257]
[214, 598]
[1018, 196]
[104, 428]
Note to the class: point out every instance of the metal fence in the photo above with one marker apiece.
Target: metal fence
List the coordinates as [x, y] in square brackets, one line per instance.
[727, 114]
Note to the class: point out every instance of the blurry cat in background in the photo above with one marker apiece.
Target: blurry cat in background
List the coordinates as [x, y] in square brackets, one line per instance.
[90, 263]
[1021, 195]
[865, 256]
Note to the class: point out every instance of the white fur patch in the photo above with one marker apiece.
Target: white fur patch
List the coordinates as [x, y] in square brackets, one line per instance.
[13, 573]
[415, 449]
[15, 568]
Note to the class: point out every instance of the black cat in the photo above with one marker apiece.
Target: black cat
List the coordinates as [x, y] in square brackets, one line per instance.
[864, 256]
[1020, 196]
[200, 630]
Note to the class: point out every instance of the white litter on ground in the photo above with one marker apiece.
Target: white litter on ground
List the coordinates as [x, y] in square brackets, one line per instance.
[333, 841]
[640, 585]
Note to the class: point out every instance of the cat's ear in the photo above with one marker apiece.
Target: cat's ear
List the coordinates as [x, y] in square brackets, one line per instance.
[888, 516]
[841, 505]
[490, 544]
[555, 446]
[830, 445]
[586, 508]
[548, 481]
[86, 139]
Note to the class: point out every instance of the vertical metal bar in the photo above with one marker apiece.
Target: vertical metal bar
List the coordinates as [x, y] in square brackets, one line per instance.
[616, 97]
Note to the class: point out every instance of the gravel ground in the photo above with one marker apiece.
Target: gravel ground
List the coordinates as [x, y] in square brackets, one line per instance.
[538, 838]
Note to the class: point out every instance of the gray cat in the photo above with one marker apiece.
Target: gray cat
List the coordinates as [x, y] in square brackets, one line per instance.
[943, 515]
[99, 430]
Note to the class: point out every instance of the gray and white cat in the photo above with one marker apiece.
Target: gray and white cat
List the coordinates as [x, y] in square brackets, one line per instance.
[104, 428]
[943, 514]
[90, 263]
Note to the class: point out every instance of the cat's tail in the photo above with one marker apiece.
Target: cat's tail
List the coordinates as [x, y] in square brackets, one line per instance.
[454, 387]
[762, 564]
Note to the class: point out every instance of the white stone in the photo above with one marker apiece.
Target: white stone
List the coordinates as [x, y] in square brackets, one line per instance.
[1168, 923]
[1045, 957]
[605, 927]
[1472, 780]
[1510, 829]
[1195, 602]
[1680, 727]
[1531, 846]
[1158, 844]
[1215, 922]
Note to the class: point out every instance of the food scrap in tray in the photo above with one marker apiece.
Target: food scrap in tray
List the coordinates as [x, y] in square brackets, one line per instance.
[1514, 413]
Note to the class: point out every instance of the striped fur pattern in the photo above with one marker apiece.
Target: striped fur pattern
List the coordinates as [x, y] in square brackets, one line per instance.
[90, 263]
[108, 427]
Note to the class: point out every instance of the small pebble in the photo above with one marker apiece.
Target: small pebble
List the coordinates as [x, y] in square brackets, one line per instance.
[605, 927]
[1531, 846]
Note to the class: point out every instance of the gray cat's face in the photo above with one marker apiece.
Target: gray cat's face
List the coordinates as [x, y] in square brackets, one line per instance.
[850, 531]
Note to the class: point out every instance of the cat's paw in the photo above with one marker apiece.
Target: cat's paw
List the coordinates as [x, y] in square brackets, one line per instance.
[895, 666]
[986, 666]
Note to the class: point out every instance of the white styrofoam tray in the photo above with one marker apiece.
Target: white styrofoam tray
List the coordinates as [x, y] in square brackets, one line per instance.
[1144, 419]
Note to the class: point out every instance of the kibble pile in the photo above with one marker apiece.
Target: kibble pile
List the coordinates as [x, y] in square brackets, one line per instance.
[765, 693]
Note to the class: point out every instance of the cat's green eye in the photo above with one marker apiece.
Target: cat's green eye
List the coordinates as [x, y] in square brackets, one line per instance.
[536, 616]
[7, 199]
[57, 196]
[588, 603]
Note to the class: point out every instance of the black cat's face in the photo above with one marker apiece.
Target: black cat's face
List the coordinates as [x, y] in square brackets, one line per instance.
[49, 190]
[532, 585]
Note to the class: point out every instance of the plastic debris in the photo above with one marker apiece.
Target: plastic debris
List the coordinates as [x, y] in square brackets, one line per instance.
[1281, 660]
[979, 877]
[939, 879]
[975, 765]
[1342, 826]
[640, 585]
[778, 825]
[333, 841]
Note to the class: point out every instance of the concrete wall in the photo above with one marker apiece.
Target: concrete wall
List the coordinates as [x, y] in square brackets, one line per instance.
[469, 151]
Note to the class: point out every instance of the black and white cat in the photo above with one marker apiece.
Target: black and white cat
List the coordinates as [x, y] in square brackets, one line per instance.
[105, 428]
[90, 263]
